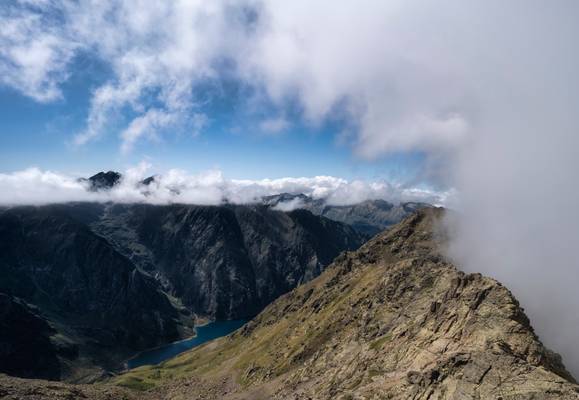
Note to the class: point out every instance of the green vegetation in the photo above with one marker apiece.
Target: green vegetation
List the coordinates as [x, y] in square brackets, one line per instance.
[378, 343]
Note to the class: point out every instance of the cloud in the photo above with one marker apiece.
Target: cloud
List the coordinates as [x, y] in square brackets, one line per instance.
[160, 51]
[157, 52]
[289, 205]
[274, 126]
[148, 124]
[35, 187]
[33, 55]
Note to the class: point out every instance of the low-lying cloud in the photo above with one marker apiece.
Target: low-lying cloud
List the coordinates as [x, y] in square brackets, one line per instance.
[36, 187]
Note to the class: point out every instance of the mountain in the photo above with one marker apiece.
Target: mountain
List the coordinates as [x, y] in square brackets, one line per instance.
[109, 280]
[103, 181]
[393, 320]
[236, 259]
[25, 346]
[368, 217]
[94, 306]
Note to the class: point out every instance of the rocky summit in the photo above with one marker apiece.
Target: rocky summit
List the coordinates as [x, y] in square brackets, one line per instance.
[393, 320]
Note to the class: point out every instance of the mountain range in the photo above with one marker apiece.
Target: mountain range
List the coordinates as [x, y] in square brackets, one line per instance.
[394, 319]
[103, 281]
[368, 217]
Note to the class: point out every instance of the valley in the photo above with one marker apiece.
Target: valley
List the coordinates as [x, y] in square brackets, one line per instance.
[394, 319]
[109, 280]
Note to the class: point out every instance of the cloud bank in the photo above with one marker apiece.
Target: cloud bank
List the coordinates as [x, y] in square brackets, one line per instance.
[37, 187]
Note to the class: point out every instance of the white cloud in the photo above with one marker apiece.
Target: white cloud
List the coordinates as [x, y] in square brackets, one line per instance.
[33, 186]
[148, 124]
[274, 126]
[158, 51]
[33, 55]
[289, 205]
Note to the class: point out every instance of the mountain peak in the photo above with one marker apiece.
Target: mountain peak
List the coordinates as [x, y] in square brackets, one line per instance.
[104, 180]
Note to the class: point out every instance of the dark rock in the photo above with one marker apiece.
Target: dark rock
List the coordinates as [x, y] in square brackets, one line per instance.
[104, 181]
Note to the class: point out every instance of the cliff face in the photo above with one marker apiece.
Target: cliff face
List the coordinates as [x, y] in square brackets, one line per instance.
[110, 280]
[98, 306]
[25, 346]
[225, 262]
[392, 320]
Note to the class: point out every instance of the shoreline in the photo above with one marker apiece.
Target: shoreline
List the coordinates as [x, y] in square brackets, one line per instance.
[203, 322]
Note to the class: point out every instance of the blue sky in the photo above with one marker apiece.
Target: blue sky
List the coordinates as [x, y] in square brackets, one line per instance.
[40, 134]
[47, 96]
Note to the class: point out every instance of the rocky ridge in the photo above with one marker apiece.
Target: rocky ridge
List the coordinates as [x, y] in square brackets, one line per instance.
[393, 320]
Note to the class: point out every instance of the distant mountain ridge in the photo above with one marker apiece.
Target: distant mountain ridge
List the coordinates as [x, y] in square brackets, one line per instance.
[368, 217]
[102, 181]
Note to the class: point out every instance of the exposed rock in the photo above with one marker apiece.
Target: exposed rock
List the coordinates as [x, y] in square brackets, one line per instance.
[115, 279]
[25, 346]
[16, 389]
[394, 320]
[103, 181]
[224, 262]
[93, 297]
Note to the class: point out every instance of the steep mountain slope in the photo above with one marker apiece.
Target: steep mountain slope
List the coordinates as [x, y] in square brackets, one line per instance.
[93, 305]
[393, 320]
[224, 262]
[25, 346]
[109, 280]
[368, 217]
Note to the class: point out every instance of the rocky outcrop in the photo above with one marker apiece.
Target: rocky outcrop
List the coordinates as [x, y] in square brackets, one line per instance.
[103, 181]
[30, 389]
[393, 320]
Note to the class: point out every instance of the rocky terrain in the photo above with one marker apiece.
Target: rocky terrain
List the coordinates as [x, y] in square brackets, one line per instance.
[393, 320]
[91, 284]
[80, 302]
[368, 217]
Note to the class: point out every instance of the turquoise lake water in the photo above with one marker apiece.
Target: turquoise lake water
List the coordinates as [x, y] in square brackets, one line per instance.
[204, 334]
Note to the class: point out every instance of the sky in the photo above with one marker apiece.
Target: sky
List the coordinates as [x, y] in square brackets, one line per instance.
[472, 105]
[54, 76]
